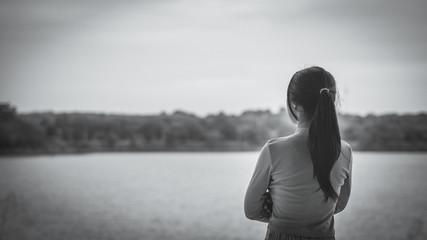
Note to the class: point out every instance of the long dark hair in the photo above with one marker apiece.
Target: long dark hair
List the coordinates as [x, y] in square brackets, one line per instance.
[315, 90]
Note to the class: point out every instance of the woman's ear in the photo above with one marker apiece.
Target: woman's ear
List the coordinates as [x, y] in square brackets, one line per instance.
[291, 116]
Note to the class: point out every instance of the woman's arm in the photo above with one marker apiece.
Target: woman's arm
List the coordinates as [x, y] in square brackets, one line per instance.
[345, 189]
[254, 200]
[344, 196]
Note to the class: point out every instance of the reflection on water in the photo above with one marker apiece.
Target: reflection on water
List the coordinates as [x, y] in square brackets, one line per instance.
[189, 196]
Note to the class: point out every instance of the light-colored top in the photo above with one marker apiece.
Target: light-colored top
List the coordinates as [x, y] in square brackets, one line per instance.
[284, 167]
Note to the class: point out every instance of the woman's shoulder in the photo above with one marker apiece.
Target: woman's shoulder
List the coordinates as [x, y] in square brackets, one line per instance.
[346, 150]
[280, 146]
[281, 143]
[280, 140]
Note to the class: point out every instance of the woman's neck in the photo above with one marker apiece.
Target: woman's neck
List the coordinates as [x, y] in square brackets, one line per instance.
[304, 120]
[303, 124]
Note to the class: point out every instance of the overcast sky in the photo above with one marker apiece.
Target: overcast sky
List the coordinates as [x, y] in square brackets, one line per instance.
[140, 57]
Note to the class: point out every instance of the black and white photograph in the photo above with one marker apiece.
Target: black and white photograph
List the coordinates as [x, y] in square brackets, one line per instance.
[213, 120]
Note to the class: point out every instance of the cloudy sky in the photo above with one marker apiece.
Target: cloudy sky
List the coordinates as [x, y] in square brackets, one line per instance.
[209, 56]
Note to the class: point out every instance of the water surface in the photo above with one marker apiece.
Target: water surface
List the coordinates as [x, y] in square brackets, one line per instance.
[190, 196]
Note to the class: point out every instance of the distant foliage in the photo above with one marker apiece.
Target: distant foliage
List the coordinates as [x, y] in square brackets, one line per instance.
[386, 132]
[180, 131]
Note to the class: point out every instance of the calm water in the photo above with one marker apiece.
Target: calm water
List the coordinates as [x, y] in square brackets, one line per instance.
[190, 196]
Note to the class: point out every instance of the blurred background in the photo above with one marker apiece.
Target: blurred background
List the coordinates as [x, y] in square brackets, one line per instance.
[142, 119]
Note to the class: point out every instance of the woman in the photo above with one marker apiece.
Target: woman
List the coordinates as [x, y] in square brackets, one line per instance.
[302, 180]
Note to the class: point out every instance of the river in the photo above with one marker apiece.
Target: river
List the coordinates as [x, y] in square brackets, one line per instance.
[190, 196]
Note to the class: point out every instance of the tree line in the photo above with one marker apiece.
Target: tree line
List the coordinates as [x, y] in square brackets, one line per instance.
[49, 132]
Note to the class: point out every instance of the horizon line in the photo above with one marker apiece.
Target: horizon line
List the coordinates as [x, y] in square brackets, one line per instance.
[280, 110]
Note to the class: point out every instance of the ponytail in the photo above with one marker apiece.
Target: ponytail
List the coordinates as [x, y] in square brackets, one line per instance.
[324, 142]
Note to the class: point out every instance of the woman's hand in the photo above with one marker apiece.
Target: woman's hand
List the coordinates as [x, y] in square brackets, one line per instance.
[267, 206]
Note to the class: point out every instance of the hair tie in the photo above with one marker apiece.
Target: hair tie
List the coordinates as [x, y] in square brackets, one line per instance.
[324, 89]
